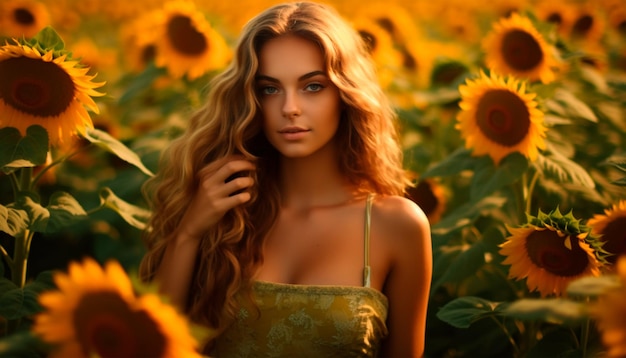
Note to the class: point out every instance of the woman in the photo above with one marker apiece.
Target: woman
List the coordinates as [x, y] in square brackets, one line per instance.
[279, 217]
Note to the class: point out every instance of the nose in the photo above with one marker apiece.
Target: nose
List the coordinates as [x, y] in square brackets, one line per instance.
[291, 106]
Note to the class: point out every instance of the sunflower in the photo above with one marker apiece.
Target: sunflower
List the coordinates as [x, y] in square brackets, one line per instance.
[430, 196]
[498, 117]
[47, 90]
[95, 312]
[609, 312]
[185, 42]
[550, 251]
[589, 24]
[560, 13]
[23, 18]
[611, 228]
[387, 58]
[515, 47]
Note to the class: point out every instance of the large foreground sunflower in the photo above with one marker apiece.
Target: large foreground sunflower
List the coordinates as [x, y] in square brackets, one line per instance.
[515, 47]
[610, 312]
[611, 229]
[185, 42]
[550, 252]
[96, 313]
[45, 89]
[499, 117]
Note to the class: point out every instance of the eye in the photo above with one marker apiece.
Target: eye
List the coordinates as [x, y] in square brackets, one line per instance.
[314, 87]
[268, 90]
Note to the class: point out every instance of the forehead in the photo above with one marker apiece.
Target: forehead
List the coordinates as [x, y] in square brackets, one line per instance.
[290, 55]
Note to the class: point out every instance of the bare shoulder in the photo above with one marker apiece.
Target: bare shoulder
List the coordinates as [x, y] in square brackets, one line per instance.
[401, 220]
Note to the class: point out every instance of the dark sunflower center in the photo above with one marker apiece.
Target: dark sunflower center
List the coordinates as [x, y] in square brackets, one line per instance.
[614, 238]
[521, 51]
[184, 37]
[148, 54]
[555, 18]
[503, 117]
[408, 61]
[621, 27]
[446, 74]
[388, 25]
[582, 25]
[424, 196]
[23, 16]
[35, 87]
[369, 39]
[106, 325]
[546, 249]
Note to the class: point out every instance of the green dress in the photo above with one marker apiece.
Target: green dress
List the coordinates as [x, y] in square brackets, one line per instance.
[309, 321]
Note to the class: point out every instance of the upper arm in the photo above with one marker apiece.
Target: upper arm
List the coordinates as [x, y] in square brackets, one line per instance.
[408, 283]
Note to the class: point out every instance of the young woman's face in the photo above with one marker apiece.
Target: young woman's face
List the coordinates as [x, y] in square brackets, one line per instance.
[300, 105]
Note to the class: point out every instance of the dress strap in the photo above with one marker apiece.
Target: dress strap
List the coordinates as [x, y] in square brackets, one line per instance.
[368, 217]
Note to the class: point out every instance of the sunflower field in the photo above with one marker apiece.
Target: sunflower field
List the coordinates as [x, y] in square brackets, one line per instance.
[513, 119]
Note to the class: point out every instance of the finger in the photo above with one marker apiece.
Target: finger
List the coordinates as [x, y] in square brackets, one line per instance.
[238, 185]
[233, 167]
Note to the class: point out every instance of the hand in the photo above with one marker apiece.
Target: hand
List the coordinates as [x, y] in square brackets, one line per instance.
[216, 195]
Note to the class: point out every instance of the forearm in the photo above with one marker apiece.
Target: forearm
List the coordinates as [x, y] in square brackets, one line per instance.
[176, 270]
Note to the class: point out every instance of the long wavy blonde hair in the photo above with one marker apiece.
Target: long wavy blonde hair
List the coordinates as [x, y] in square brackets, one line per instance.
[230, 123]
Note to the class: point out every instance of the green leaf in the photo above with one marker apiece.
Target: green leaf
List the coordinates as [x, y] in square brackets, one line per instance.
[64, 211]
[489, 178]
[6, 285]
[106, 141]
[22, 302]
[22, 344]
[570, 106]
[463, 311]
[28, 151]
[134, 215]
[592, 286]
[13, 221]
[465, 214]
[140, 83]
[455, 163]
[38, 216]
[49, 39]
[553, 310]
[620, 182]
[564, 169]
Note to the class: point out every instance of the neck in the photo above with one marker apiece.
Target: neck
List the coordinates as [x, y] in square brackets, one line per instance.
[313, 181]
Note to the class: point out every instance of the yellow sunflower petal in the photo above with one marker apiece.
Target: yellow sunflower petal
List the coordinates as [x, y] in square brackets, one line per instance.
[515, 47]
[96, 313]
[185, 43]
[610, 228]
[498, 118]
[23, 18]
[50, 92]
[540, 256]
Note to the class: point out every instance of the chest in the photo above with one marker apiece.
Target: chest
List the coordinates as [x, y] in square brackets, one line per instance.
[323, 246]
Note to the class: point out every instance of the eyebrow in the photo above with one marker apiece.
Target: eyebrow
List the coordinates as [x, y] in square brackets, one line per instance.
[301, 78]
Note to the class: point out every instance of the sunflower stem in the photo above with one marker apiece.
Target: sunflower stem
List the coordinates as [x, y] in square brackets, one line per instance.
[14, 184]
[6, 257]
[26, 175]
[529, 191]
[584, 337]
[520, 198]
[57, 162]
[20, 258]
[508, 335]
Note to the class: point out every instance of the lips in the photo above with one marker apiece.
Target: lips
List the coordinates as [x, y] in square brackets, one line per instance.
[288, 130]
[294, 133]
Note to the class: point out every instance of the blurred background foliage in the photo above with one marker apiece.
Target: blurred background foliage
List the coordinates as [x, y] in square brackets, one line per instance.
[559, 68]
